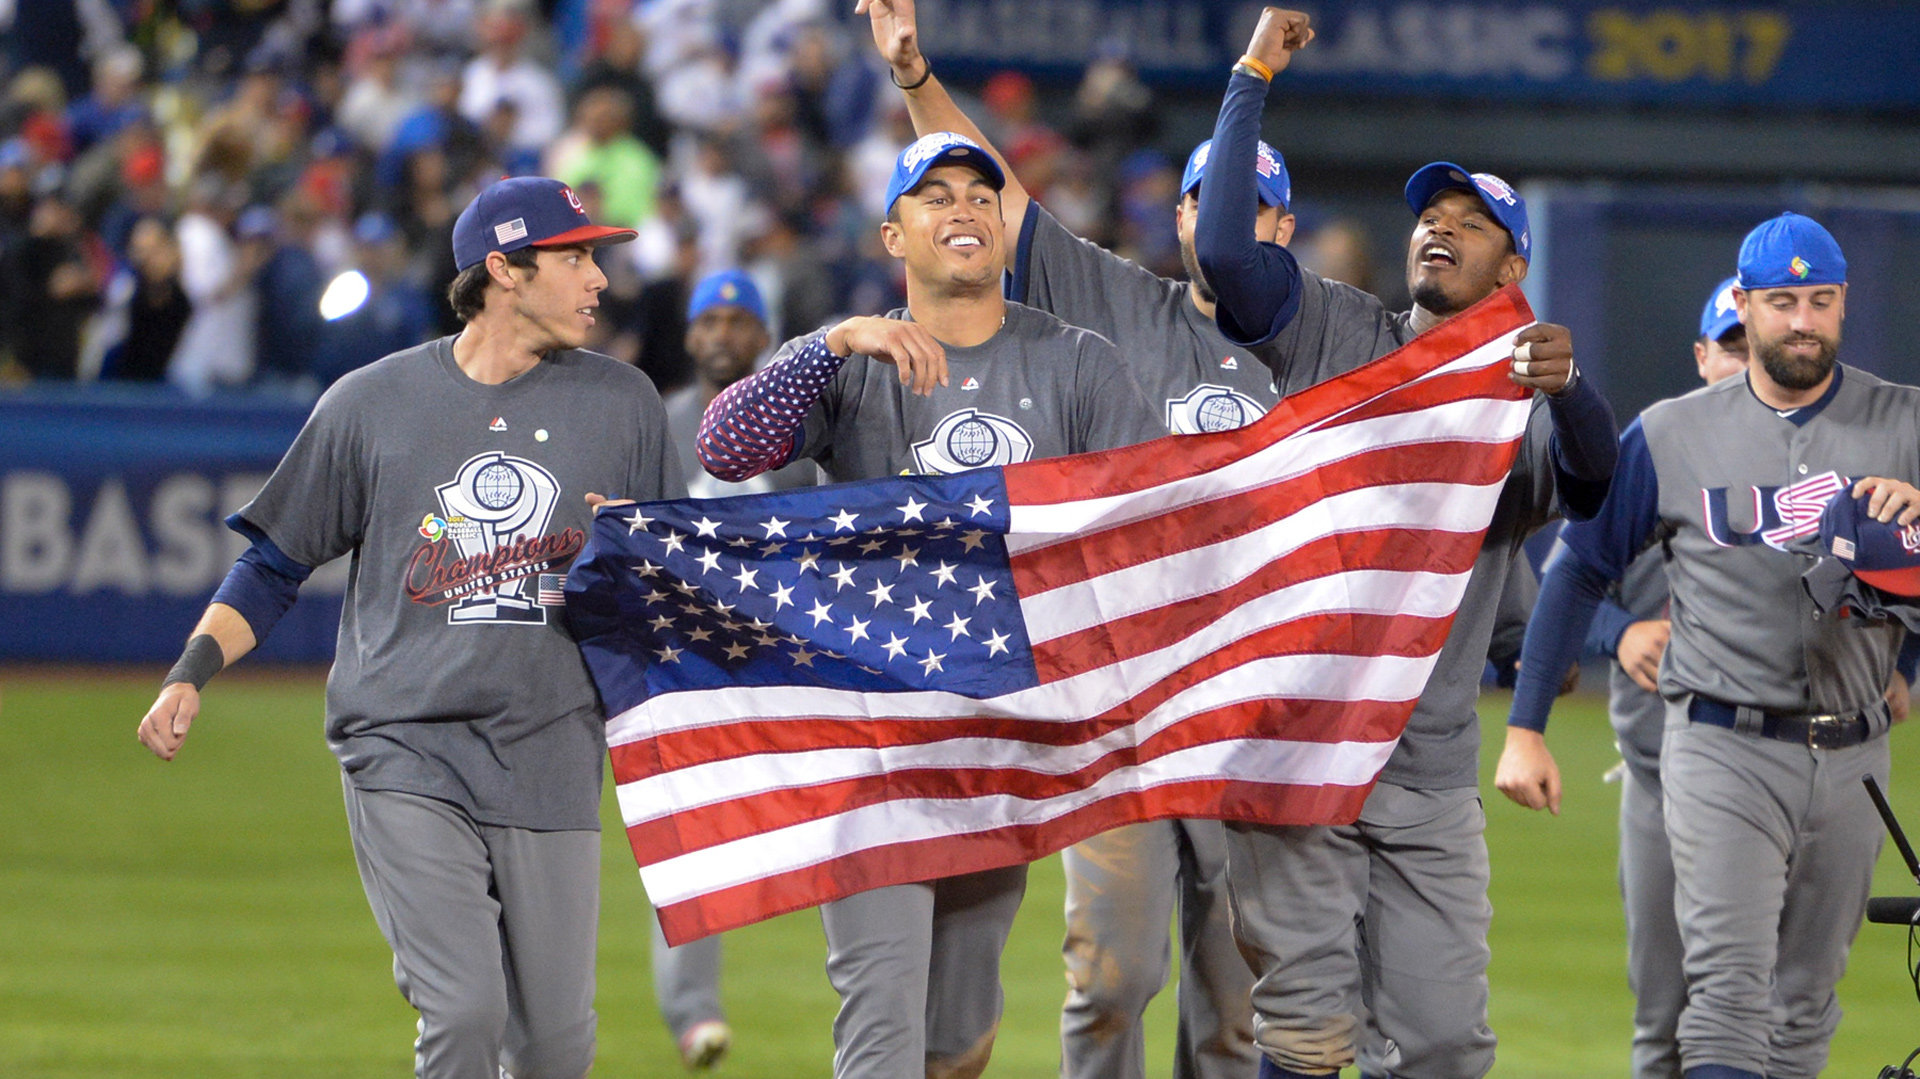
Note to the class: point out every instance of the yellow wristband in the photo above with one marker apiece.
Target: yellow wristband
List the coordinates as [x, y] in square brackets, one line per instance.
[1255, 67]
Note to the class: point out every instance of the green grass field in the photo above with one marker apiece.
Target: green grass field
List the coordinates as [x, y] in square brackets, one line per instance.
[202, 919]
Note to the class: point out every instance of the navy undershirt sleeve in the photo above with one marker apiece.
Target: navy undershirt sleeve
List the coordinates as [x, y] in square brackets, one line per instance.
[1585, 448]
[1909, 658]
[1595, 553]
[263, 585]
[1257, 285]
[1610, 622]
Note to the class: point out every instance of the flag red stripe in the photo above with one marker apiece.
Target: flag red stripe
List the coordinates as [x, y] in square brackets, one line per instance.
[700, 827]
[1137, 634]
[1138, 542]
[905, 863]
[1149, 464]
[1331, 633]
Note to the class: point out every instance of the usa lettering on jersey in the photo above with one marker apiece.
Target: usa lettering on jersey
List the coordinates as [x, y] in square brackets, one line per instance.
[1780, 514]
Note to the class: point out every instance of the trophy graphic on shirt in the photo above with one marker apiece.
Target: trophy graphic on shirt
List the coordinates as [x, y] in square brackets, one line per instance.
[502, 499]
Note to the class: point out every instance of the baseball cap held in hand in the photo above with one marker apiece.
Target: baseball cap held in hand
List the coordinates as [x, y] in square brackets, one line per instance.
[1884, 555]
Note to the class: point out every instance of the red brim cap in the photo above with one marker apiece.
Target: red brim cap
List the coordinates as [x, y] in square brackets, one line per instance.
[588, 235]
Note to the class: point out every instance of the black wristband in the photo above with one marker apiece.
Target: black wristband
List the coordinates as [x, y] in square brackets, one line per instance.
[917, 85]
[198, 664]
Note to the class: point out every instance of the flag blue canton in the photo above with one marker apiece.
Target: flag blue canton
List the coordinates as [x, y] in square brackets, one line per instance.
[893, 585]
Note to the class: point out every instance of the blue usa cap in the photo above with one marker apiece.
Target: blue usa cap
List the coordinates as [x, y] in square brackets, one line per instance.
[1506, 204]
[1719, 315]
[1790, 250]
[727, 288]
[1269, 174]
[1884, 555]
[526, 211]
[932, 151]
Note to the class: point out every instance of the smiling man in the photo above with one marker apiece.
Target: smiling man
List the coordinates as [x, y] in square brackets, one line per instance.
[1397, 901]
[1774, 709]
[470, 739]
[961, 378]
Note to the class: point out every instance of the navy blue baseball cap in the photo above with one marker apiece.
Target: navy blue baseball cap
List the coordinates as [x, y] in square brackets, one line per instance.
[1884, 555]
[728, 287]
[526, 211]
[1719, 315]
[1790, 250]
[1269, 174]
[932, 151]
[1506, 204]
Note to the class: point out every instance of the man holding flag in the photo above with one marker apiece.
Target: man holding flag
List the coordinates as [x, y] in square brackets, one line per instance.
[917, 964]
[1412, 872]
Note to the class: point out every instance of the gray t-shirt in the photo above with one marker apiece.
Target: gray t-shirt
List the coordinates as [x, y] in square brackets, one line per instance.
[685, 407]
[1339, 328]
[1195, 377]
[461, 504]
[1037, 388]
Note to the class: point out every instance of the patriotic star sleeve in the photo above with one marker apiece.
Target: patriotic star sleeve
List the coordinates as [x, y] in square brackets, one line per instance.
[756, 424]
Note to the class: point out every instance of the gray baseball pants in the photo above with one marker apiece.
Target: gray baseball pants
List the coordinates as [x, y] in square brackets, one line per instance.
[1123, 889]
[493, 933]
[1654, 971]
[1405, 887]
[1773, 852]
[686, 982]
[917, 967]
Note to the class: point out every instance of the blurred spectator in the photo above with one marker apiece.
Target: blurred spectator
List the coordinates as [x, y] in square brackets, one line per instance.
[375, 102]
[36, 107]
[716, 198]
[833, 91]
[216, 349]
[287, 287]
[114, 103]
[1031, 147]
[57, 273]
[616, 65]
[156, 305]
[663, 315]
[798, 297]
[259, 127]
[1337, 251]
[441, 25]
[600, 149]
[425, 208]
[1113, 113]
[503, 74]
[434, 124]
[1149, 185]
[392, 315]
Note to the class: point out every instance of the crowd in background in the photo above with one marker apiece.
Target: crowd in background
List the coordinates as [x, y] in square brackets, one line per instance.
[221, 193]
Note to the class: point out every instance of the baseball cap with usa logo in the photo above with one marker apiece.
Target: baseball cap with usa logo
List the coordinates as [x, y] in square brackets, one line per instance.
[526, 211]
[931, 152]
[1506, 204]
[1719, 315]
[1884, 555]
[1269, 173]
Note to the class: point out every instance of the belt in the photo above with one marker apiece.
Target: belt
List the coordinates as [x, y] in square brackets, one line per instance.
[1814, 732]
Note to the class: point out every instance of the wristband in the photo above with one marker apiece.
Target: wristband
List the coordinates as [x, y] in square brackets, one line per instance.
[1249, 65]
[928, 74]
[198, 664]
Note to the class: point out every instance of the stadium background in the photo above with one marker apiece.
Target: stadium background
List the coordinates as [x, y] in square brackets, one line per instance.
[188, 190]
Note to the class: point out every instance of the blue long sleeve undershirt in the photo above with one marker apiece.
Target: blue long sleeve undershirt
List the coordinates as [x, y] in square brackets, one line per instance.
[263, 584]
[1256, 285]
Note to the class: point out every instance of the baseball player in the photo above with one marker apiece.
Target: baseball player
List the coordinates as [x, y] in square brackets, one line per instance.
[1125, 887]
[469, 736]
[1774, 710]
[1632, 627]
[1390, 911]
[961, 378]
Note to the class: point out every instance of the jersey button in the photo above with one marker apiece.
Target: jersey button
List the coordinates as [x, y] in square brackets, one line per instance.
[1803, 470]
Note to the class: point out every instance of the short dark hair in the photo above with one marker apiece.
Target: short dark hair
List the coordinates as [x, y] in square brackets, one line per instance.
[468, 293]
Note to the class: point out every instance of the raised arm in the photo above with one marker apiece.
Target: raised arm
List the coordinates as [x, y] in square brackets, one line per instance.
[896, 35]
[1257, 284]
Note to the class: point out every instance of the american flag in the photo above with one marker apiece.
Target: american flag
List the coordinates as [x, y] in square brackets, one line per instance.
[816, 692]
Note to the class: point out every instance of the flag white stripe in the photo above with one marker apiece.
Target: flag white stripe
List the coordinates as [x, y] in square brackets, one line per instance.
[1089, 693]
[1181, 575]
[813, 842]
[1492, 419]
[1326, 678]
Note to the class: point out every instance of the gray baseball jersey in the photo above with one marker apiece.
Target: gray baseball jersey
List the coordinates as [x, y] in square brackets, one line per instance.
[455, 677]
[1188, 369]
[1038, 388]
[1639, 717]
[684, 409]
[1337, 329]
[1733, 484]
